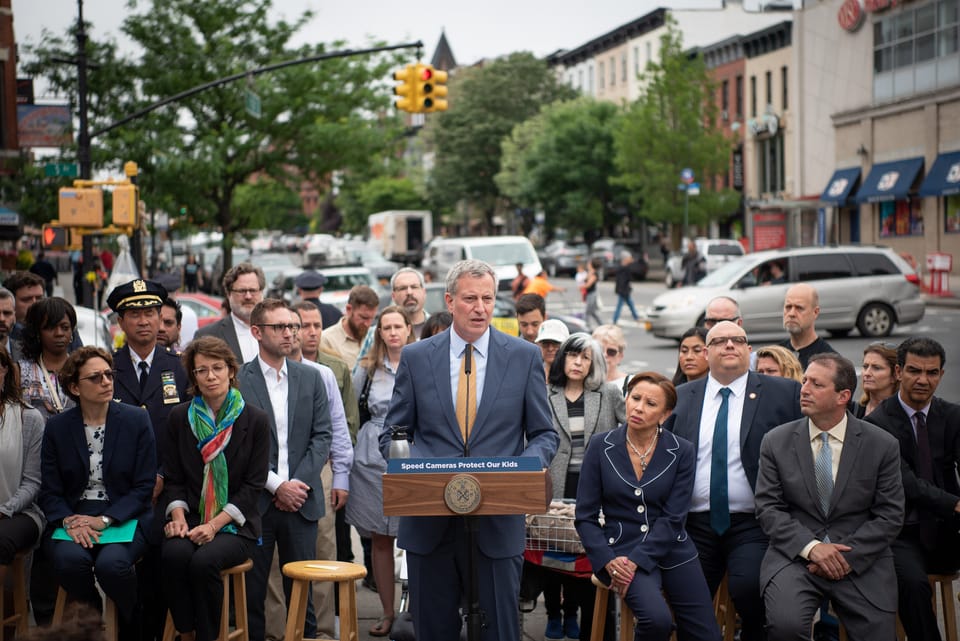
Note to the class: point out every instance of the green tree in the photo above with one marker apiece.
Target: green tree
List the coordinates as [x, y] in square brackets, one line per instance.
[670, 127]
[201, 150]
[562, 161]
[486, 103]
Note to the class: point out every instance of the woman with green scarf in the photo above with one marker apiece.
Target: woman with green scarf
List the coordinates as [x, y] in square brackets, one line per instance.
[215, 465]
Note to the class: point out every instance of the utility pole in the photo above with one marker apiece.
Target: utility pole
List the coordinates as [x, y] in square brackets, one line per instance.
[83, 150]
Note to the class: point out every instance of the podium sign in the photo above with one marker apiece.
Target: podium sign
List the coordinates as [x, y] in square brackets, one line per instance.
[475, 486]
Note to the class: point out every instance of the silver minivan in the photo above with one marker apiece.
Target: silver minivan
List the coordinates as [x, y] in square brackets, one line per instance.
[867, 288]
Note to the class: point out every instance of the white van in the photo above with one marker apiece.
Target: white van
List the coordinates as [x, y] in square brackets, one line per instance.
[501, 252]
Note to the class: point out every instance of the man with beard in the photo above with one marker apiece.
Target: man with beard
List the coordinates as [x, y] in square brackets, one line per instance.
[409, 292]
[309, 286]
[344, 338]
[244, 285]
[295, 399]
[7, 319]
[801, 307]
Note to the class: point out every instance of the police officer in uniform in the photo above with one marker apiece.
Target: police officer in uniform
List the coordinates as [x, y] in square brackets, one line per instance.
[150, 376]
[309, 284]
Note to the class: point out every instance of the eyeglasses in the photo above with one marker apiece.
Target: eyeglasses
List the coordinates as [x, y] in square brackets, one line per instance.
[97, 377]
[710, 322]
[245, 292]
[721, 341]
[612, 352]
[282, 327]
[403, 288]
[203, 372]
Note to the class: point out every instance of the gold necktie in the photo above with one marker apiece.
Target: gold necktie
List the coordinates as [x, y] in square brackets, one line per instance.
[467, 394]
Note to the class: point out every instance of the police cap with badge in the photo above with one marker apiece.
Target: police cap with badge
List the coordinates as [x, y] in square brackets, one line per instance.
[137, 294]
[310, 279]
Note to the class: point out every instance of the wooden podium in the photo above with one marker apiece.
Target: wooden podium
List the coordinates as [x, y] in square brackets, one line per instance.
[468, 490]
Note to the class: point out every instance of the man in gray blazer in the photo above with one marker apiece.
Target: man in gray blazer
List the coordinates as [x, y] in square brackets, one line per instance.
[830, 497]
[294, 397]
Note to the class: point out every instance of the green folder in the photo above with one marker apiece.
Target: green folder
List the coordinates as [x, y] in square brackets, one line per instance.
[116, 533]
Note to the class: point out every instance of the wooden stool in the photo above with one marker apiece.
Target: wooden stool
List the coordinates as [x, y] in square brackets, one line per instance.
[242, 629]
[344, 574]
[20, 616]
[109, 614]
[723, 610]
[600, 614]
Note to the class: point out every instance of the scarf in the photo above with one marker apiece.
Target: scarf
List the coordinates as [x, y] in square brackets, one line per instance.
[212, 436]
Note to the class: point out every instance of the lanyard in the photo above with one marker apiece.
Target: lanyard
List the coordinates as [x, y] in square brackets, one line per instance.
[49, 386]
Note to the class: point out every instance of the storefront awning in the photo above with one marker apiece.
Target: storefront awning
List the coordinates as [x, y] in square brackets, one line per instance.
[943, 179]
[890, 180]
[840, 187]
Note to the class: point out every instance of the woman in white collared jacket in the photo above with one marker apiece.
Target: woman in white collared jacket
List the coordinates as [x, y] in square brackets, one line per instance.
[641, 477]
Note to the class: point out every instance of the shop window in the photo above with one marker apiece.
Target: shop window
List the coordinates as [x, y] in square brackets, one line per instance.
[901, 218]
[952, 225]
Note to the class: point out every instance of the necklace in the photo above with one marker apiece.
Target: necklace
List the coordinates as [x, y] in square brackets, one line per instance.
[643, 456]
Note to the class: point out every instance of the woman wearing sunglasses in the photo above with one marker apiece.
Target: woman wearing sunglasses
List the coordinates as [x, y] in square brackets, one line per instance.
[98, 463]
[215, 465]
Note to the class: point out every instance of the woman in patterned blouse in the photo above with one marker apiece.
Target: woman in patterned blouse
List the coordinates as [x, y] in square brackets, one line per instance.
[98, 467]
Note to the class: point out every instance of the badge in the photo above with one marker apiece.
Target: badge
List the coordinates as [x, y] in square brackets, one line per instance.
[462, 494]
[170, 394]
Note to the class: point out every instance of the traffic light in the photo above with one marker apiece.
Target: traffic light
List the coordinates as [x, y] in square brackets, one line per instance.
[55, 237]
[407, 89]
[125, 205]
[431, 89]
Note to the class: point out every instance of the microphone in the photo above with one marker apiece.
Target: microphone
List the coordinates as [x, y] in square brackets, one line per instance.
[467, 360]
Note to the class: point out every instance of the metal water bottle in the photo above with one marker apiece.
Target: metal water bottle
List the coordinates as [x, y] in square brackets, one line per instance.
[399, 443]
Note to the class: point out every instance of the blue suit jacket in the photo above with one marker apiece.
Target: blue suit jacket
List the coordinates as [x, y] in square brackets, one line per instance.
[644, 519]
[770, 401]
[129, 465]
[309, 429]
[513, 419]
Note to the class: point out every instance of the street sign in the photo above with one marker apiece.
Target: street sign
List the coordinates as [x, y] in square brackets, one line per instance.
[686, 175]
[66, 169]
[693, 189]
[251, 103]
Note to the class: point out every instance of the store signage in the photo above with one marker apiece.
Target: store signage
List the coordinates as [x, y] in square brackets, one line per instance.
[850, 16]
[953, 175]
[888, 181]
[738, 169]
[837, 187]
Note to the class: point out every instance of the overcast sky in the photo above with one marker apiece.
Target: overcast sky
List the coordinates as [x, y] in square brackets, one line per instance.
[474, 30]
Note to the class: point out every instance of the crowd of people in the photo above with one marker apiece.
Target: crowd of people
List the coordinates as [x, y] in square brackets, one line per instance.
[145, 472]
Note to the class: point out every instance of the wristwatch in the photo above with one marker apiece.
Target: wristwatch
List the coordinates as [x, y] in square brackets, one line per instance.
[107, 521]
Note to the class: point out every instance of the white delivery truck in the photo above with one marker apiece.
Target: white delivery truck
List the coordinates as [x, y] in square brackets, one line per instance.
[400, 235]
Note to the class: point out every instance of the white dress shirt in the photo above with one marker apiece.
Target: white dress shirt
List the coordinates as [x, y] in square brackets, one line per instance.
[249, 347]
[341, 447]
[739, 492]
[278, 388]
[135, 358]
[478, 362]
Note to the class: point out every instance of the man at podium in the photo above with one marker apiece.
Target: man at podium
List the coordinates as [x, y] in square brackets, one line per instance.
[468, 391]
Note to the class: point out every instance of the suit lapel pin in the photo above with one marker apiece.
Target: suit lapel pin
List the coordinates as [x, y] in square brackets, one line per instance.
[753, 395]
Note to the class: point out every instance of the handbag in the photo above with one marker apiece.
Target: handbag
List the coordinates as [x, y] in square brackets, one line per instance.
[362, 401]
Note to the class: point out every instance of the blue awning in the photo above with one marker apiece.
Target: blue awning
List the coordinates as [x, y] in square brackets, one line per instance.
[943, 179]
[841, 185]
[890, 180]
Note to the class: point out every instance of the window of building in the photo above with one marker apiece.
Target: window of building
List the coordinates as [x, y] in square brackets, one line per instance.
[613, 71]
[623, 65]
[649, 53]
[952, 224]
[636, 60]
[901, 218]
[783, 85]
[771, 167]
[725, 96]
[739, 97]
[590, 79]
[580, 79]
[916, 49]
[753, 96]
[600, 76]
[769, 79]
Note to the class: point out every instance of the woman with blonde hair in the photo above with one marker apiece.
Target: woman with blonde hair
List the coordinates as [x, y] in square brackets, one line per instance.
[775, 360]
[614, 344]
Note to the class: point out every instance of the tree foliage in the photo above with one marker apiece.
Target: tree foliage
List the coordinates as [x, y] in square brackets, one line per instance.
[199, 152]
[486, 103]
[562, 161]
[670, 127]
[378, 194]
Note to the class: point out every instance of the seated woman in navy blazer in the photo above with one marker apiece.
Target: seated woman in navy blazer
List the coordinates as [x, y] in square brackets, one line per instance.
[641, 476]
[215, 466]
[98, 468]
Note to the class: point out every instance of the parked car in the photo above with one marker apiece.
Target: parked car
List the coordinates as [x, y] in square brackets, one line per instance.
[323, 249]
[340, 280]
[209, 309]
[717, 251]
[561, 258]
[867, 288]
[362, 254]
[609, 251]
